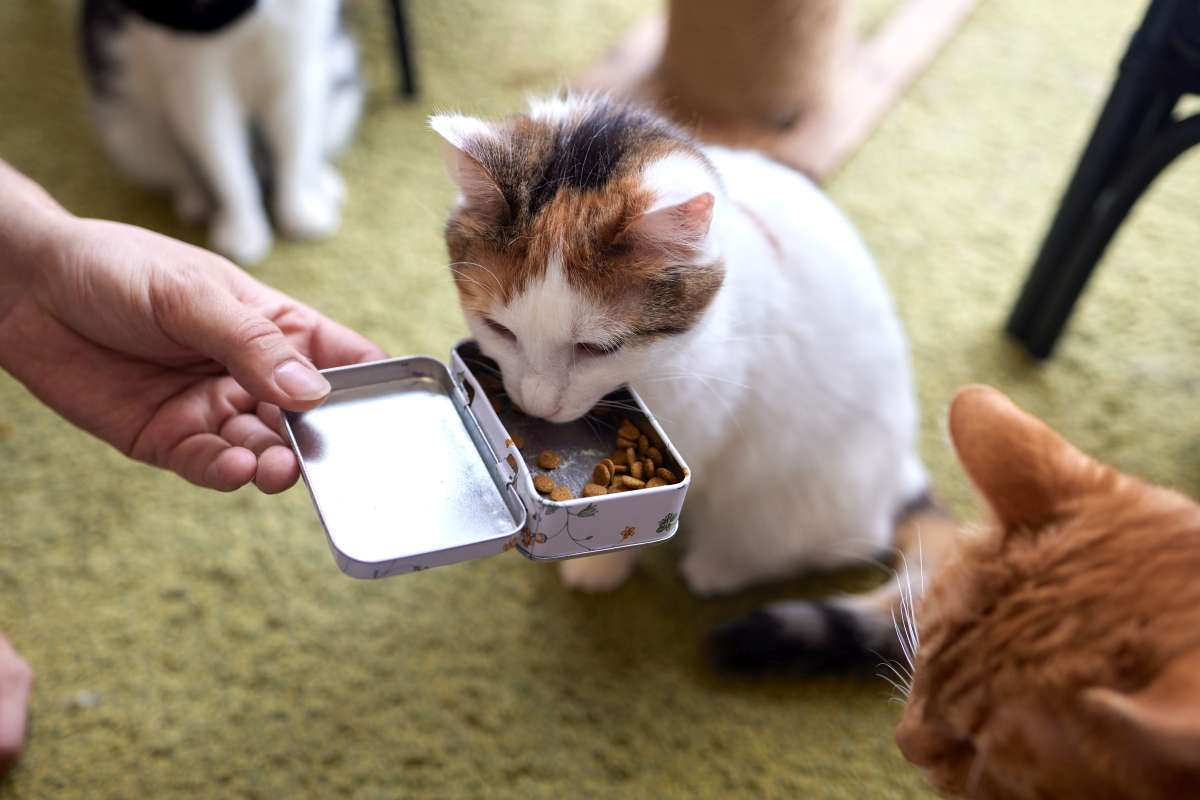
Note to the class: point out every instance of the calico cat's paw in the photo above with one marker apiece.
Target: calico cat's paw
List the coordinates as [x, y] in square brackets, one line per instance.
[601, 573]
[245, 238]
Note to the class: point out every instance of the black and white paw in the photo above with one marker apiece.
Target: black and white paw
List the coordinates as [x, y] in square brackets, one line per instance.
[798, 638]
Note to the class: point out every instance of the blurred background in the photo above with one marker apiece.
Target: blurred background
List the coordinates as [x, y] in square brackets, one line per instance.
[194, 644]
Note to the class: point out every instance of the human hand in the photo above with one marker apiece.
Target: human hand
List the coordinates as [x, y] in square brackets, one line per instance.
[167, 352]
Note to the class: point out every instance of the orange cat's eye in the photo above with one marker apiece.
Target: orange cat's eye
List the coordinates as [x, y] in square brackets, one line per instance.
[594, 349]
[499, 329]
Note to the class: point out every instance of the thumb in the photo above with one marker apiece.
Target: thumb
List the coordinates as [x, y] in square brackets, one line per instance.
[211, 320]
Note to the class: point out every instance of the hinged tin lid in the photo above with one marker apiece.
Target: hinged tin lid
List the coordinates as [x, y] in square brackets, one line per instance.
[399, 472]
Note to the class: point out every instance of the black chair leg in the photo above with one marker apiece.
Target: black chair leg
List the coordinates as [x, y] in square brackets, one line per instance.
[1043, 307]
[1136, 113]
[1055, 300]
[401, 41]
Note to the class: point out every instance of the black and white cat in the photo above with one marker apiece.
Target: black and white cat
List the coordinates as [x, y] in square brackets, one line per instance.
[187, 94]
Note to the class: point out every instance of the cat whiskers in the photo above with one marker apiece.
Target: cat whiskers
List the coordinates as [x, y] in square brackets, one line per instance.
[468, 279]
[902, 682]
[631, 408]
[906, 626]
[901, 678]
[704, 381]
[454, 268]
[479, 365]
[683, 375]
[907, 633]
[591, 421]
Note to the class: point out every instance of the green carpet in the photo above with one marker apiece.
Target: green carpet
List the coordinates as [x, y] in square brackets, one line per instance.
[190, 644]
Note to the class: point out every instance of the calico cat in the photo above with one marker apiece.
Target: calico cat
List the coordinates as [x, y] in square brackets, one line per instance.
[183, 91]
[594, 244]
[1058, 653]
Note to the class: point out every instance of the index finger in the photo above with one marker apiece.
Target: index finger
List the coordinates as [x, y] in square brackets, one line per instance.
[325, 342]
[335, 345]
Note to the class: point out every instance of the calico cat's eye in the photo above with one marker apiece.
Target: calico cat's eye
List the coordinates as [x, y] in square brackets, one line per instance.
[596, 349]
[500, 330]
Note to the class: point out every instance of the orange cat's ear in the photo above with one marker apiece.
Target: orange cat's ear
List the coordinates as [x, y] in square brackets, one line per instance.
[1162, 719]
[1024, 470]
[464, 139]
[673, 231]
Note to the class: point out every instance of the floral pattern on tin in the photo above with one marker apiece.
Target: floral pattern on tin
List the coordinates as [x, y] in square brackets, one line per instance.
[590, 510]
[528, 537]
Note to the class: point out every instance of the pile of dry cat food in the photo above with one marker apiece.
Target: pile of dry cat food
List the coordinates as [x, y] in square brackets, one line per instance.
[636, 463]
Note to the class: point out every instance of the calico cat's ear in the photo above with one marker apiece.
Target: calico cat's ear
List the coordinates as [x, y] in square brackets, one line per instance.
[1162, 719]
[676, 230]
[675, 224]
[1024, 470]
[466, 141]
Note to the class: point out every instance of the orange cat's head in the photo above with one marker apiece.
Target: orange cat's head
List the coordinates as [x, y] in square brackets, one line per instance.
[1059, 650]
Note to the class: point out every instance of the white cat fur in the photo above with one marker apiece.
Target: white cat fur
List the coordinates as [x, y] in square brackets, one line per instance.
[792, 399]
[179, 119]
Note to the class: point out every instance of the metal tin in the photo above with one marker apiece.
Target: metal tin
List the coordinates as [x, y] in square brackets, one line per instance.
[410, 466]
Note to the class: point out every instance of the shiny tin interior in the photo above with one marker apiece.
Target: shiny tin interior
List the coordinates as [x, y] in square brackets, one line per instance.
[398, 468]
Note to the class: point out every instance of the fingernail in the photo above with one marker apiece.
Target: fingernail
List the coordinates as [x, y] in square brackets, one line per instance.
[300, 381]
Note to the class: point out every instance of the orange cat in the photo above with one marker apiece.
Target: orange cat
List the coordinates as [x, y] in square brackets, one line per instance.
[1059, 651]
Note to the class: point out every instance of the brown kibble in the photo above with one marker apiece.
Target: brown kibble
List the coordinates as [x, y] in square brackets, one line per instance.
[636, 470]
[655, 481]
[623, 443]
[630, 457]
[648, 467]
[654, 455]
[628, 431]
[594, 490]
[620, 469]
[548, 459]
[602, 474]
[643, 445]
[512, 462]
[666, 475]
[620, 459]
[543, 483]
[518, 440]
[652, 435]
[560, 494]
[631, 483]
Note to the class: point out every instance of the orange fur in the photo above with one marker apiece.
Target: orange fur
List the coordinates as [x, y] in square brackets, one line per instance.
[1060, 647]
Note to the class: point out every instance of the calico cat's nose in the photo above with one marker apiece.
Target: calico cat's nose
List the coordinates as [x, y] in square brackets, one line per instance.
[539, 397]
